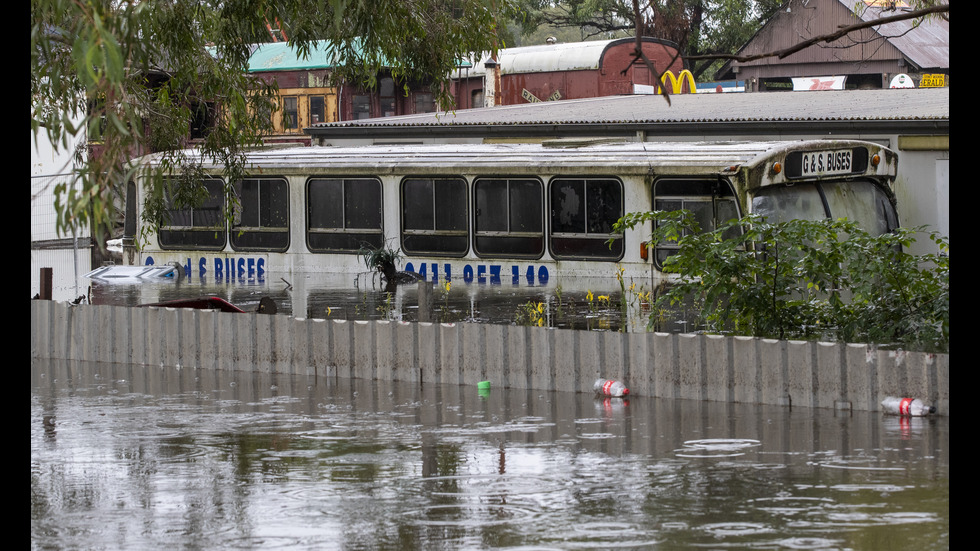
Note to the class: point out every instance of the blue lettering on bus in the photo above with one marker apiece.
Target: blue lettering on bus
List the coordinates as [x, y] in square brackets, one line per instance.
[468, 273]
[449, 271]
[149, 261]
[495, 274]
[481, 272]
[543, 275]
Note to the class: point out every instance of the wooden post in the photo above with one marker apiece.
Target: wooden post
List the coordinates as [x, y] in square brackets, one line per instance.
[46, 278]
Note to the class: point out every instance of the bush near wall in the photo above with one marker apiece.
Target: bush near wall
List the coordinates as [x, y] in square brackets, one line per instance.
[803, 279]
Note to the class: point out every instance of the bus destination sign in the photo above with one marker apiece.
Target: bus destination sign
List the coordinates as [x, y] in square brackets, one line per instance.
[815, 164]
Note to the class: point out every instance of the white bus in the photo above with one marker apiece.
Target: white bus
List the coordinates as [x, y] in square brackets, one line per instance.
[505, 213]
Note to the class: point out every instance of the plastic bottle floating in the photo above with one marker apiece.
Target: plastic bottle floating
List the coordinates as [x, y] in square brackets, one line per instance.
[906, 406]
[610, 387]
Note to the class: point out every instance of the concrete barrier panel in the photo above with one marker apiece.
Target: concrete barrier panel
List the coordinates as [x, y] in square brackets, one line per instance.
[342, 341]
[745, 372]
[190, 339]
[406, 357]
[320, 348]
[495, 337]
[207, 326]
[892, 374]
[264, 342]
[615, 362]
[920, 380]
[473, 353]
[641, 365]
[772, 366]
[429, 353]
[519, 354]
[830, 377]
[283, 345]
[799, 374]
[123, 340]
[568, 366]
[861, 369]
[299, 359]
[941, 365]
[542, 358]
[244, 352]
[365, 347]
[590, 357]
[155, 328]
[718, 368]
[690, 357]
[384, 347]
[449, 353]
[666, 374]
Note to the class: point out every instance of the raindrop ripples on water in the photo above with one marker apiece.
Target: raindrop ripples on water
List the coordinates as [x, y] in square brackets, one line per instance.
[175, 459]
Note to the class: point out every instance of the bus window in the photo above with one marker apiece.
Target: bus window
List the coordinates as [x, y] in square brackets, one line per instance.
[711, 202]
[509, 218]
[861, 202]
[343, 214]
[434, 216]
[262, 219]
[784, 203]
[202, 227]
[583, 212]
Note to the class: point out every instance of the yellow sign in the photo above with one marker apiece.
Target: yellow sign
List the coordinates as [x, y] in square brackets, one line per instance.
[677, 84]
[933, 81]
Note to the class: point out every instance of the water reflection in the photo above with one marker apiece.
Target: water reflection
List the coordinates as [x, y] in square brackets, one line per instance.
[128, 457]
[599, 303]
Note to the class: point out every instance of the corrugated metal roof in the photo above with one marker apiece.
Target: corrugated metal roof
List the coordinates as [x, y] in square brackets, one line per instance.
[850, 105]
[567, 56]
[926, 44]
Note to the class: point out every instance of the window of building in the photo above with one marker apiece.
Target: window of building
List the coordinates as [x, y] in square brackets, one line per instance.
[711, 202]
[424, 102]
[361, 106]
[317, 110]
[290, 113]
[262, 216]
[344, 214]
[387, 97]
[583, 212]
[509, 219]
[201, 227]
[435, 216]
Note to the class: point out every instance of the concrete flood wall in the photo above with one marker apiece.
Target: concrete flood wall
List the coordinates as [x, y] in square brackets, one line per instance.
[701, 367]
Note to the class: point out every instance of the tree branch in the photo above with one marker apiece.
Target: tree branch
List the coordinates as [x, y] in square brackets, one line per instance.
[843, 31]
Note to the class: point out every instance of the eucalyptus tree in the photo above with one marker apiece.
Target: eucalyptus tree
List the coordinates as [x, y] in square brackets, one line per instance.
[133, 76]
[698, 27]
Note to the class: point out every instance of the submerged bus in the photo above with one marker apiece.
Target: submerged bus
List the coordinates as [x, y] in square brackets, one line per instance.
[505, 213]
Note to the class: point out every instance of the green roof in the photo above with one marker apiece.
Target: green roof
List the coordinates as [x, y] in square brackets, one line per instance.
[280, 56]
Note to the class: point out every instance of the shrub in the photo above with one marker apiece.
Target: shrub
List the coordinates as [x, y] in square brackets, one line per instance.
[803, 279]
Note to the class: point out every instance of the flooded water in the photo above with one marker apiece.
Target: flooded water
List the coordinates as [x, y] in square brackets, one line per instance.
[127, 457]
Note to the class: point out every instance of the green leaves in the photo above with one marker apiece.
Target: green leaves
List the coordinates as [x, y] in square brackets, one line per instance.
[825, 279]
[130, 75]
